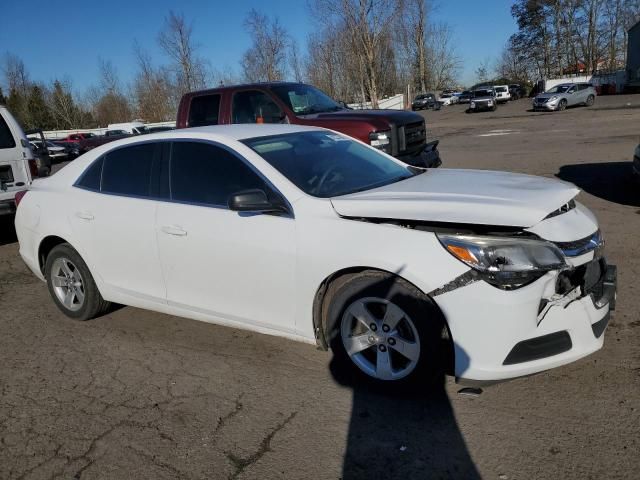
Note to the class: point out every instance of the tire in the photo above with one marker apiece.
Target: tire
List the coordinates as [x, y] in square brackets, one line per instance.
[562, 105]
[71, 284]
[590, 100]
[375, 355]
[494, 108]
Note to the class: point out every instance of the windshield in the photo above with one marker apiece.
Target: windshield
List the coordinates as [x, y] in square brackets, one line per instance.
[559, 89]
[140, 130]
[482, 93]
[501, 89]
[445, 95]
[305, 99]
[326, 164]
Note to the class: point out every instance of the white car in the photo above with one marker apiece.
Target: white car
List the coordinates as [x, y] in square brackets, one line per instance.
[447, 99]
[16, 162]
[502, 93]
[56, 152]
[305, 233]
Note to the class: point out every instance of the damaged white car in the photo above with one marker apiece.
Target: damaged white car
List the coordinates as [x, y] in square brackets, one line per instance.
[305, 233]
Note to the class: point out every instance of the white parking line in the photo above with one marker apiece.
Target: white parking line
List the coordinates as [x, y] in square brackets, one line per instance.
[496, 133]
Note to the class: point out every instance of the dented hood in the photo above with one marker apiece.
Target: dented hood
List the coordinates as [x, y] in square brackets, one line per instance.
[461, 196]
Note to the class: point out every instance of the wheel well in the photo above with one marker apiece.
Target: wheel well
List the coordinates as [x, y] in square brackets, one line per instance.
[319, 316]
[47, 244]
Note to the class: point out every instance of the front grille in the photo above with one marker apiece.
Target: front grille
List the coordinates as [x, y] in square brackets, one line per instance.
[582, 246]
[411, 137]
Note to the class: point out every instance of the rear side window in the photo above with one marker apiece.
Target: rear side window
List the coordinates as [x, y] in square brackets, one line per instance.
[204, 110]
[92, 175]
[205, 174]
[6, 137]
[254, 106]
[127, 170]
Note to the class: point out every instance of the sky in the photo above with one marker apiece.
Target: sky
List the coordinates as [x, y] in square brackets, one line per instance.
[57, 39]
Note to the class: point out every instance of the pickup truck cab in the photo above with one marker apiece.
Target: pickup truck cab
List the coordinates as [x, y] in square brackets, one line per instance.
[16, 162]
[396, 132]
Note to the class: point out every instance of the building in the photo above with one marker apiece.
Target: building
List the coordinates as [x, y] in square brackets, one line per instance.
[633, 57]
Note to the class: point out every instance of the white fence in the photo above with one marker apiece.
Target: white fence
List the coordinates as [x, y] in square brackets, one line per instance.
[392, 103]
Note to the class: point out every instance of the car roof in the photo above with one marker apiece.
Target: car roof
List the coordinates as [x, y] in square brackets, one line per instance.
[241, 131]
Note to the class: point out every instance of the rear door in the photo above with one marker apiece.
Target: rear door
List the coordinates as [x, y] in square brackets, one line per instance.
[14, 157]
[114, 212]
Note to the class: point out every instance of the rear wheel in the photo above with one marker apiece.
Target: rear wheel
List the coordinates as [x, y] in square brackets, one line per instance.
[590, 100]
[71, 285]
[384, 330]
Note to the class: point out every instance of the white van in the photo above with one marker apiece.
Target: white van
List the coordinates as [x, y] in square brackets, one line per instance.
[16, 161]
[132, 128]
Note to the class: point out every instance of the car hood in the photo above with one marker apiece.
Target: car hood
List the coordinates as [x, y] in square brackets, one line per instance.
[549, 95]
[461, 196]
[399, 117]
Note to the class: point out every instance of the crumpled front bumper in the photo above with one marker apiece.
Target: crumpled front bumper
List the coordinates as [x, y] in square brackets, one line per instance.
[500, 334]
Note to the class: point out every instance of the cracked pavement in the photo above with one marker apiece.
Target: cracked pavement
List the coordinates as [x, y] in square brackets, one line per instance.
[137, 394]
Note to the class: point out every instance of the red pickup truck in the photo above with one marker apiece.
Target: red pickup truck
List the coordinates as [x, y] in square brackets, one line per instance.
[76, 137]
[397, 132]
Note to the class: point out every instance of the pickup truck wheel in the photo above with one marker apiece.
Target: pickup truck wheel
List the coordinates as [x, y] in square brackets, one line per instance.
[71, 285]
[384, 330]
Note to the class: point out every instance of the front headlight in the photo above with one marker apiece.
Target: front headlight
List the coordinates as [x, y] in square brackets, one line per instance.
[380, 140]
[554, 98]
[506, 263]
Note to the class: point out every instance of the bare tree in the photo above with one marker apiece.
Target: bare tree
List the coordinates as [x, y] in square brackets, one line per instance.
[368, 23]
[295, 61]
[266, 59]
[176, 40]
[153, 91]
[444, 61]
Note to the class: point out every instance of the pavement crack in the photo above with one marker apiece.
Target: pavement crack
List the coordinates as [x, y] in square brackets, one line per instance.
[222, 421]
[241, 464]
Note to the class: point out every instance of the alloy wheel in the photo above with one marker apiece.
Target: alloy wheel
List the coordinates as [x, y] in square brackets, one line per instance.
[380, 338]
[68, 284]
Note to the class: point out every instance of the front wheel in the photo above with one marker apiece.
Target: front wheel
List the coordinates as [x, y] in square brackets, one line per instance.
[562, 105]
[384, 329]
[71, 285]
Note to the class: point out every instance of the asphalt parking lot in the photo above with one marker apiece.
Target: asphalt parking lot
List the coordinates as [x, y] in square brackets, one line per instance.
[136, 394]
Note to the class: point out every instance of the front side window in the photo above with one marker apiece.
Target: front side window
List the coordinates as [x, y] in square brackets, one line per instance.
[206, 174]
[6, 137]
[254, 106]
[305, 99]
[325, 164]
[127, 170]
[204, 110]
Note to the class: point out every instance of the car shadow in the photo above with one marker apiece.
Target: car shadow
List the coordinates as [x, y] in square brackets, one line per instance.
[611, 181]
[7, 230]
[404, 432]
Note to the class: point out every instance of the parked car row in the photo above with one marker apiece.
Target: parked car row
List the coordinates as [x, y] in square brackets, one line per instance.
[489, 97]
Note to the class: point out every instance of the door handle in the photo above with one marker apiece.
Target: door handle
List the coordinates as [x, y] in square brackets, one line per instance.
[84, 215]
[174, 230]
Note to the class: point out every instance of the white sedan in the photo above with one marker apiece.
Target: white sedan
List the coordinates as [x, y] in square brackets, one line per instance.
[305, 233]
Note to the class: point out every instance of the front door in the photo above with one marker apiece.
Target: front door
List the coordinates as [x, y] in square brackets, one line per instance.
[236, 267]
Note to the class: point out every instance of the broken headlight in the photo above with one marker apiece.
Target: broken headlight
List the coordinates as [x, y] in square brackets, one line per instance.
[505, 263]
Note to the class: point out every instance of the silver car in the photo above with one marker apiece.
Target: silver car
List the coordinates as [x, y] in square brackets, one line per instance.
[565, 95]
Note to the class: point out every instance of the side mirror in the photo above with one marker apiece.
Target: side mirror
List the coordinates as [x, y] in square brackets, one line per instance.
[253, 201]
